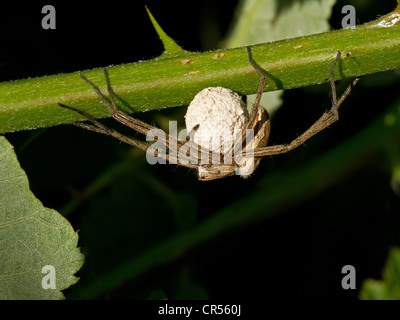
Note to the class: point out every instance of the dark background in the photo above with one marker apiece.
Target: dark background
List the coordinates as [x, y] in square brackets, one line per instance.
[297, 254]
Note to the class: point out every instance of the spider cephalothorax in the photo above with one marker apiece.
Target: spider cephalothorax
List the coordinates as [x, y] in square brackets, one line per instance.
[239, 152]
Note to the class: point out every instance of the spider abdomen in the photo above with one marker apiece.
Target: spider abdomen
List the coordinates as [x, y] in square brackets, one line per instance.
[220, 115]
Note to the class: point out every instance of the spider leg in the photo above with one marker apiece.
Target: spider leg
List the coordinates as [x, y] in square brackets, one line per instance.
[129, 121]
[114, 111]
[328, 118]
[259, 121]
[100, 128]
[263, 79]
[173, 143]
[258, 113]
[332, 79]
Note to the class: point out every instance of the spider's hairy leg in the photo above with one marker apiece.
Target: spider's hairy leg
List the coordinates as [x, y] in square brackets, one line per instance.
[100, 128]
[332, 79]
[335, 102]
[256, 132]
[259, 119]
[328, 118]
[113, 110]
[263, 79]
[135, 124]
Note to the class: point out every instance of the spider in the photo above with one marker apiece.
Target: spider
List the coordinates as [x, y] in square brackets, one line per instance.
[252, 151]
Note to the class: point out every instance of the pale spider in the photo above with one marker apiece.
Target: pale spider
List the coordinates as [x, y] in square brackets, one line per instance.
[259, 122]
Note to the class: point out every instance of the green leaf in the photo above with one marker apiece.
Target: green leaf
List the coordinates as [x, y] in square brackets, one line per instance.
[32, 238]
[270, 20]
[389, 287]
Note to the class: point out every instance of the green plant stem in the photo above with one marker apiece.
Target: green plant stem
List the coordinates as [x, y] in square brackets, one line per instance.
[174, 80]
[266, 201]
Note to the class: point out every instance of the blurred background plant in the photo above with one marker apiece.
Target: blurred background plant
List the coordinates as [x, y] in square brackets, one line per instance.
[156, 231]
